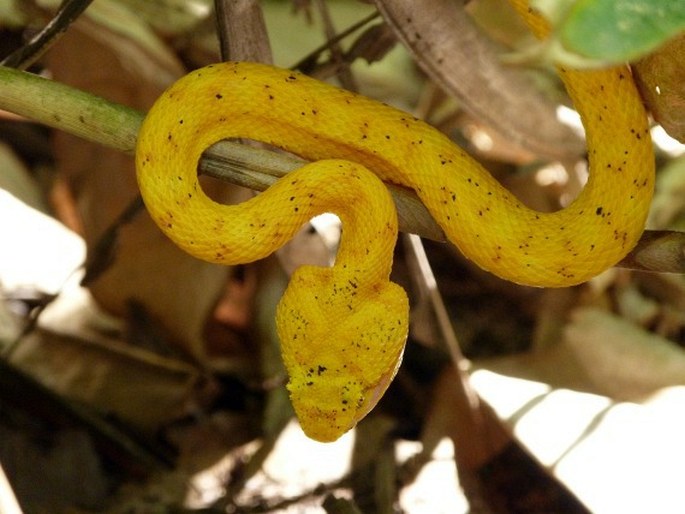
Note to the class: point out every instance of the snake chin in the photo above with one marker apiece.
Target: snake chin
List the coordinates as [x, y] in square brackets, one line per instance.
[326, 409]
[341, 347]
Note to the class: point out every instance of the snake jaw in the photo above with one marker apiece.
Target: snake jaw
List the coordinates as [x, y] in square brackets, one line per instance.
[326, 408]
[341, 351]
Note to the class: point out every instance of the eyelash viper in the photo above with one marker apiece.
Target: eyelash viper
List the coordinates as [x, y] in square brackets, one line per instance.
[342, 329]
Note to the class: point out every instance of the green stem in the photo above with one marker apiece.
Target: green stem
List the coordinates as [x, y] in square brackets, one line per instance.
[71, 110]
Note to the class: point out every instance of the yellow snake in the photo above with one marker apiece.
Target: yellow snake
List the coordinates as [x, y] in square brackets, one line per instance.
[342, 329]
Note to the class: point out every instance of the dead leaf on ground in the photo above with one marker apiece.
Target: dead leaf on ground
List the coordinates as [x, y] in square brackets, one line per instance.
[138, 387]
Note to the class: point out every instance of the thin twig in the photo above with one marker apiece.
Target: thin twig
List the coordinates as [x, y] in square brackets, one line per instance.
[306, 62]
[104, 252]
[430, 286]
[242, 31]
[337, 55]
[24, 57]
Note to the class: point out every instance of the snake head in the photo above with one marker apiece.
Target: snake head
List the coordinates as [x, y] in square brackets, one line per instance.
[342, 343]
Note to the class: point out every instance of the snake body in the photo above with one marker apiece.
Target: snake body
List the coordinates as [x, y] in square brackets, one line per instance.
[343, 329]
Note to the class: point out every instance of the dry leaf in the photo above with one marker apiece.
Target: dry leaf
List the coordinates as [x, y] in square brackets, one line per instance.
[668, 203]
[622, 360]
[174, 288]
[448, 46]
[661, 79]
[138, 387]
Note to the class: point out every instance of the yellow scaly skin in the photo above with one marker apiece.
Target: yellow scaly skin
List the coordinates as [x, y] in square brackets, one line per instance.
[343, 329]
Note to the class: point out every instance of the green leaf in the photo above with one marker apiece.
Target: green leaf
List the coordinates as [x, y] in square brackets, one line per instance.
[620, 30]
